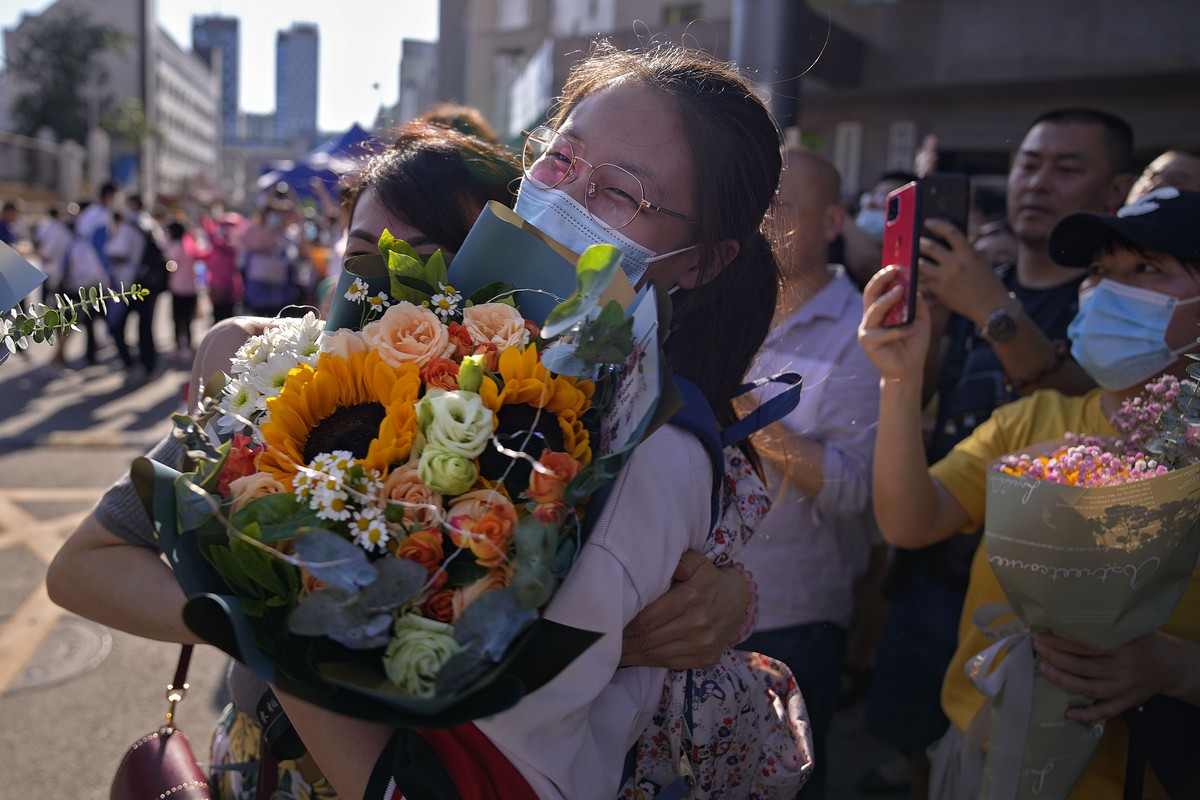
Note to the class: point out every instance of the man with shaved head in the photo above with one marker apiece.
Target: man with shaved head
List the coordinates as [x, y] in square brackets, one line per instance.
[815, 541]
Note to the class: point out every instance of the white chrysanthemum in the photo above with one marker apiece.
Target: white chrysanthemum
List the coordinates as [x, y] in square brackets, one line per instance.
[269, 377]
[445, 302]
[249, 354]
[241, 399]
[357, 292]
[370, 530]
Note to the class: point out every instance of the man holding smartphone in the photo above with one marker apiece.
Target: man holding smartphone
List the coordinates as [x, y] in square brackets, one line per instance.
[1003, 335]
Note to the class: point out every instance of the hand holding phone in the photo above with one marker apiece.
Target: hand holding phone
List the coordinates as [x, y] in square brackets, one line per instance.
[945, 196]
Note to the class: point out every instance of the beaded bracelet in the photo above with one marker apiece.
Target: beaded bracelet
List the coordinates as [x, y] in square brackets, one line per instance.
[1061, 350]
[750, 621]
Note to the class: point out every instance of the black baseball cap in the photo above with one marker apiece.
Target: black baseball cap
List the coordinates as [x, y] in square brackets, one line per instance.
[1165, 220]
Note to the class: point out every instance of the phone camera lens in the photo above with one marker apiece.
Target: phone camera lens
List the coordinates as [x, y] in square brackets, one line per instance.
[893, 208]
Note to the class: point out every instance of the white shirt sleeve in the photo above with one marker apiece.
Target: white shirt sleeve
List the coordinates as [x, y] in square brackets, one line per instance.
[569, 738]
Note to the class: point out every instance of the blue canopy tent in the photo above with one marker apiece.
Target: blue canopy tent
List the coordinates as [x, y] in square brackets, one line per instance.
[334, 158]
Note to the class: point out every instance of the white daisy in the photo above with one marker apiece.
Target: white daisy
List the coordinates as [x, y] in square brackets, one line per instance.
[357, 292]
[330, 503]
[445, 303]
[370, 530]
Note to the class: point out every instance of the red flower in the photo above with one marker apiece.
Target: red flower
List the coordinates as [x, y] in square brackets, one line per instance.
[441, 373]
[239, 463]
[461, 339]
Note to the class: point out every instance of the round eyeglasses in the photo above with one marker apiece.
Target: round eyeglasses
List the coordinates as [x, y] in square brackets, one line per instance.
[613, 195]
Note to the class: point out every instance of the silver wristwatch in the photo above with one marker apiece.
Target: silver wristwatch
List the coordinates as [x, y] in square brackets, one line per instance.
[1002, 324]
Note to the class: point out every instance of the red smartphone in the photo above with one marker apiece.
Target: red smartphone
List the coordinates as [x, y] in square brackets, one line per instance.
[945, 196]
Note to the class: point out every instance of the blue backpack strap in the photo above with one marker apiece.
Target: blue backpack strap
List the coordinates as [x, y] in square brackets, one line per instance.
[697, 418]
[770, 411]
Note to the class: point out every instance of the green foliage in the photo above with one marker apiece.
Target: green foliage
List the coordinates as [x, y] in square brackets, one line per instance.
[42, 322]
[414, 278]
[56, 68]
[129, 123]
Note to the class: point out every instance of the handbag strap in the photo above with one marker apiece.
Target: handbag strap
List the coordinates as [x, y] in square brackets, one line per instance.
[177, 688]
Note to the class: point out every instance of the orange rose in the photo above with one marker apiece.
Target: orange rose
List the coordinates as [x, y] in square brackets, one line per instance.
[441, 373]
[534, 330]
[461, 339]
[465, 595]
[439, 606]
[408, 334]
[476, 503]
[424, 548]
[496, 323]
[486, 537]
[421, 505]
[489, 354]
[551, 513]
[547, 483]
[309, 584]
[251, 487]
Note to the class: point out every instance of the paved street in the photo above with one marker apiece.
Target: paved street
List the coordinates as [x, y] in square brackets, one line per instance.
[73, 694]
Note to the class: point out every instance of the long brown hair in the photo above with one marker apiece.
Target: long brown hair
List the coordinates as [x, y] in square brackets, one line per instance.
[736, 153]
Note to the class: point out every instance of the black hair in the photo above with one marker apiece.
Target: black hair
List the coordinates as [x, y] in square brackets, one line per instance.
[464, 119]
[1117, 133]
[176, 230]
[108, 189]
[736, 150]
[436, 179]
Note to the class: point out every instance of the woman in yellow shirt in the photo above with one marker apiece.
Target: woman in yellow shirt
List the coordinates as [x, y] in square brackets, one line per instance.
[1144, 284]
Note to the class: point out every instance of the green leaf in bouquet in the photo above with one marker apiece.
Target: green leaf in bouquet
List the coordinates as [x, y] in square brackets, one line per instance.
[492, 622]
[597, 267]
[257, 562]
[464, 570]
[494, 292]
[398, 581]
[560, 358]
[599, 473]
[412, 290]
[332, 560]
[278, 516]
[607, 338]
[193, 505]
[340, 615]
[533, 580]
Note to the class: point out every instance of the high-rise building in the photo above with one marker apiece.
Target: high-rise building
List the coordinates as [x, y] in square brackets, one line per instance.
[418, 78]
[296, 60]
[215, 39]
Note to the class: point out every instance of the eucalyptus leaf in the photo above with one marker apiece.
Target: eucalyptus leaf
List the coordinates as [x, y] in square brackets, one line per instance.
[560, 359]
[595, 475]
[607, 338]
[398, 581]
[332, 560]
[339, 615]
[597, 267]
[492, 622]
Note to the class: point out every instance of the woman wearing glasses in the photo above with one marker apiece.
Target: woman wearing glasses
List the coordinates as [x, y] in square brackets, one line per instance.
[671, 157]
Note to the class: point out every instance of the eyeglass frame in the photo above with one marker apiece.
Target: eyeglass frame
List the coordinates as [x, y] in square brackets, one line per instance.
[591, 186]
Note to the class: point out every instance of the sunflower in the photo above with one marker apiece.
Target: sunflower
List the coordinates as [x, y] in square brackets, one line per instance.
[527, 383]
[359, 403]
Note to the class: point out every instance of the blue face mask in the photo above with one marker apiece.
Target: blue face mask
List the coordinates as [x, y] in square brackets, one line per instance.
[557, 214]
[872, 221]
[1119, 334]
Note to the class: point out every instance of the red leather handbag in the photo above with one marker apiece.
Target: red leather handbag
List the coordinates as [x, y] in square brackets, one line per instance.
[161, 764]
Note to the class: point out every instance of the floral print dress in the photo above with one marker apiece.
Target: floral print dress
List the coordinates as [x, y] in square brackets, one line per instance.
[735, 729]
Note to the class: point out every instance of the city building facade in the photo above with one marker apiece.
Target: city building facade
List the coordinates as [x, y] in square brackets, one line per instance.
[215, 39]
[297, 52]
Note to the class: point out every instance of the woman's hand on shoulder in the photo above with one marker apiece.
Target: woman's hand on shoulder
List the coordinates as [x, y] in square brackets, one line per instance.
[690, 625]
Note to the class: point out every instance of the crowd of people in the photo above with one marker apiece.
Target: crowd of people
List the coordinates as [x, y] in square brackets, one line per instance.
[867, 567]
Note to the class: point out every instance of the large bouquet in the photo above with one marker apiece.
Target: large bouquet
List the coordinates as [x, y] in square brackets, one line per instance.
[1094, 539]
[386, 507]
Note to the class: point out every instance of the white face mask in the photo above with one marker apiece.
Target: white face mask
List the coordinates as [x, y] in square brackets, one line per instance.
[558, 215]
